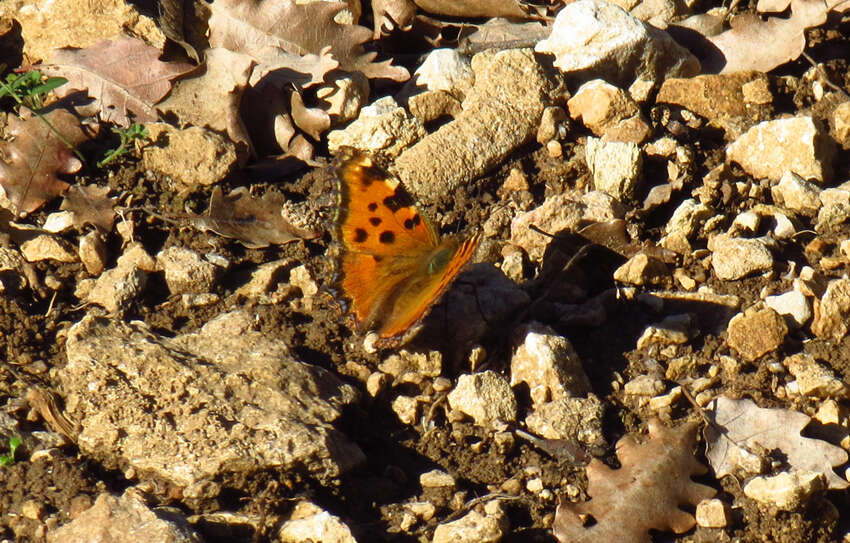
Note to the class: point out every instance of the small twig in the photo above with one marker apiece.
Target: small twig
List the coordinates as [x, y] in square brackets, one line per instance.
[482, 499]
[825, 77]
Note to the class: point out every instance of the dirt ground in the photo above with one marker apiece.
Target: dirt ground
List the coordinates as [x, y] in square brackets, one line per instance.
[370, 500]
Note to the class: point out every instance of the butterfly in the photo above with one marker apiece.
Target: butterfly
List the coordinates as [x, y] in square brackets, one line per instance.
[393, 265]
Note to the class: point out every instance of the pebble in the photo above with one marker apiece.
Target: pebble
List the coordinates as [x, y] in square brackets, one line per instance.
[92, 253]
[716, 97]
[406, 408]
[735, 258]
[309, 522]
[445, 70]
[191, 156]
[796, 194]
[793, 304]
[756, 332]
[797, 144]
[47, 247]
[117, 287]
[616, 166]
[673, 330]
[835, 208]
[609, 112]
[376, 383]
[436, 478]
[786, 491]
[381, 126]
[553, 126]
[472, 528]
[712, 513]
[813, 379]
[486, 397]
[404, 362]
[548, 364]
[644, 385]
[185, 271]
[641, 269]
[832, 311]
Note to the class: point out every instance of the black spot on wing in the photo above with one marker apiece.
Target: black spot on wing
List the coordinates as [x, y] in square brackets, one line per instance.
[412, 222]
[360, 235]
[375, 221]
[372, 207]
[398, 199]
[387, 237]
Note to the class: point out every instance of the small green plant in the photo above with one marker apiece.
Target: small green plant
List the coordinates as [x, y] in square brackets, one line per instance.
[135, 132]
[9, 459]
[29, 91]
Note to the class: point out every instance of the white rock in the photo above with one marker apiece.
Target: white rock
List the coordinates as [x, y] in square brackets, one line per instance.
[46, 247]
[92, 253]
[795, 193]
[797, 144]
[786, 491]
[712, 513]
[471, 528]
[300, 278]
[486, 397]
[835, 207]
[814, 379]
[58, 222]
[381, 126]
[615, 165]
[309, 522]
[548, 364]
[446, 70]
[602, 38]
[185, 271]
[748, 221]
[793, 304]
[405, 407]
[644, 385]
[832, 311]
[436, 478]
[673, 330]
[734, 258]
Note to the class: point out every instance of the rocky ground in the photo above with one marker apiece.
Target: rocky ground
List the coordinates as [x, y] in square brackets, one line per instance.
[650, 344]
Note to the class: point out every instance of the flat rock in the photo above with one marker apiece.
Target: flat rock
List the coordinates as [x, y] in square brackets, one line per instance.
[756, 332]
[832, 311]
[191, 156]
[673, 330]
[735, 258]
[125, 519]
[472, 528]
[308, 522]
[381, 126]
[486, 397]
[718, 97]
[185, 271]
[547, 363]
[796, 194]
[445, 70]
[609, 112]
[605, 40]
[501, 112]
[793, 304]
[190, 410]
[835, 207]
[786, 491]
[712, 513]
[813, 379]
[574, 419]
[616, 166]
[797, 144]
[641, 269]
[47, 247]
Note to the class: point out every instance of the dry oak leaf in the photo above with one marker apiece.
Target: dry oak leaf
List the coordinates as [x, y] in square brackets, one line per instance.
[475, 8]
[30, 162]
[644, 494]
[272, 31]
[254, 222]
[124, 76]
[748, 428]
[742, 46]
[90, 204]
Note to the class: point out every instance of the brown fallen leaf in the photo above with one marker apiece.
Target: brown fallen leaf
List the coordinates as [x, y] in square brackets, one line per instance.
[390, 15]
[644, 494]
[90, 205]
[313, 121]
[171, 17]
[475, 8]
[743, 46]
[280, 31]
[254, 222]
[124, 76]
[30, 162]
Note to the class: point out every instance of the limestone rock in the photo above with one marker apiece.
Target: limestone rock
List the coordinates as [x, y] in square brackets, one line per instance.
[797, 144]
[445, 70]
[381, 126]
[47, 247]
[756, 332]
[575, 419]
[192, 156]
[832, 311]
[795, 193]
[641, 269]
[185, 271]
[222, 401]
[835, 207]
[716, 97]
[124, 520]
[609, 112]
[308, 522]
[712, 513]
[92, 253]
[734, 258]
[813, 379]
[793, 304]
[486, 397]
[472, 528]
[548, 365]
[616, 166]
[603, 39]
[785, 491]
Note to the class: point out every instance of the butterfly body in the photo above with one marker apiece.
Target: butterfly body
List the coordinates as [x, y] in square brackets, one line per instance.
[393, 264]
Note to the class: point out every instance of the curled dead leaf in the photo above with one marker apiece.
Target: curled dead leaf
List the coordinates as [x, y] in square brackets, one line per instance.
[90, 204]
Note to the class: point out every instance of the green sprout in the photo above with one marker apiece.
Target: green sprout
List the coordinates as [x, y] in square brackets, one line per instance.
[135, 132]
[9, 459]
[29, 91]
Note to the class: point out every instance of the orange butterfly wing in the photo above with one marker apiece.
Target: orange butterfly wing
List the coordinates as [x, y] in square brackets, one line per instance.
[393, 265]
